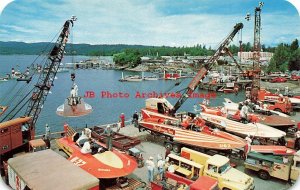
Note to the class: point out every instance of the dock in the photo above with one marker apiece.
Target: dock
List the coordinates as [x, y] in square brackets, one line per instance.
[215, 87]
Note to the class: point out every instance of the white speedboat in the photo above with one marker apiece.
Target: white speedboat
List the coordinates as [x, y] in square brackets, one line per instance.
[220, 120]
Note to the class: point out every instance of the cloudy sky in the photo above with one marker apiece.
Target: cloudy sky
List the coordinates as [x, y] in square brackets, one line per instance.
[148, 22]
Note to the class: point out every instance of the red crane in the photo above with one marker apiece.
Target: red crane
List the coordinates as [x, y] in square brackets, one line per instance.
[16, 132]
[208, 65]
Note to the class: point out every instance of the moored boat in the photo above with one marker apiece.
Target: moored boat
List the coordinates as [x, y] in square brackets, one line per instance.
[153, 77]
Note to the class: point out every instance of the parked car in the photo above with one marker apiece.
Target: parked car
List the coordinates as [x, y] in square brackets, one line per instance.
[279, 79]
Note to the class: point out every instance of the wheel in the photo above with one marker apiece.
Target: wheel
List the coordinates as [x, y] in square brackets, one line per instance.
[176, 148]
[278, 109]
[225, 188]
[168, 146]
[263, 175]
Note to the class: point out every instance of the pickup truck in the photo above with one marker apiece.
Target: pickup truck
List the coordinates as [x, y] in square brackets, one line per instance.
[285, 167]
[193, 164]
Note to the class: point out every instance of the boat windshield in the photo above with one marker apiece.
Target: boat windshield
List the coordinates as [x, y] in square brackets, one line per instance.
[224, 168]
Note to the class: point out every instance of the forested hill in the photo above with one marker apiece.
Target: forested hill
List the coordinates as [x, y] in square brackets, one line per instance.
[8, 48]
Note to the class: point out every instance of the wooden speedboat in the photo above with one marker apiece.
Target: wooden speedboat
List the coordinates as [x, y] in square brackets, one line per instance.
[105, 164]
[272, 118]
[220, 120]
[161, 124]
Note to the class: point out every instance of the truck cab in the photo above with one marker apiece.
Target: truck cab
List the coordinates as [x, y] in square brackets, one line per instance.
[192, 163]
[218, 167]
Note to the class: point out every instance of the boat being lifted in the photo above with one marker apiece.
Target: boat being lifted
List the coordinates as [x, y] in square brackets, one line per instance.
[74, 105]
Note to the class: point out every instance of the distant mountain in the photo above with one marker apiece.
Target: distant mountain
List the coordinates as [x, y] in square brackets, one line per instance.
[8, 48]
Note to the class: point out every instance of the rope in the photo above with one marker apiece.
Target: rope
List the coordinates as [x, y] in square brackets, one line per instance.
[7, 115]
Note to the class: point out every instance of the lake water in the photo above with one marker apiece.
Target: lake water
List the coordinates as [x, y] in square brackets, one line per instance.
[105, 110]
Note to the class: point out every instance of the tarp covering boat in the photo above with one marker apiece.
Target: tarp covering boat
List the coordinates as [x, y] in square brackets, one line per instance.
[46, 170]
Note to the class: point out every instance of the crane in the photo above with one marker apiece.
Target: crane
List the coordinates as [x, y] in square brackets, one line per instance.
[207, 66]
[256, 54]
[11, 129]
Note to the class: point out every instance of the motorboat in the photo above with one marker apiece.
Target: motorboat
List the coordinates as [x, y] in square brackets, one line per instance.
[267, 117]
[130, 78]
[153, 77]
[221, 120]
[104, 164]
[74, 105]
[198, 134]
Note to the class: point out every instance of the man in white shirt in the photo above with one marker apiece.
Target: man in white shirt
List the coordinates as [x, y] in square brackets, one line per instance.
[244, 112]
[150, 167]
[86, 147]
[160, 167]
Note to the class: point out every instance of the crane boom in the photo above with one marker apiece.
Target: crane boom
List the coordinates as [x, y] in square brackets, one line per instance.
[203, 71]
[256, 54]
[46, 79]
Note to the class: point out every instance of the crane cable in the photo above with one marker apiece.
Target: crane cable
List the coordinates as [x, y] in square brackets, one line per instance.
[7, 115]
[22, 89]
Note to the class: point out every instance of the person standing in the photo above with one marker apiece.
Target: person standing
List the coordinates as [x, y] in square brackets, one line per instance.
[244, 112]
[122, 117]
[135, 119]
[109, 134]
[160, 167]
[48, 133]
[168, 151]
[150, 168]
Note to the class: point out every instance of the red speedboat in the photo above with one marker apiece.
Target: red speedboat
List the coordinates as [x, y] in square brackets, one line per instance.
[198, 134]
[104, 165]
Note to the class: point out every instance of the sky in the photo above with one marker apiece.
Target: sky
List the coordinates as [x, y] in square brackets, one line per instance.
[148, 22]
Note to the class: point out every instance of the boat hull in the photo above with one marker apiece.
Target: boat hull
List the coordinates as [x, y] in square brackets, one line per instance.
[154, 122]
[106, 165]
[241, 129]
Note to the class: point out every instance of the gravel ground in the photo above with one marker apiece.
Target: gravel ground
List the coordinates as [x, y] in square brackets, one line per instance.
[152, 146]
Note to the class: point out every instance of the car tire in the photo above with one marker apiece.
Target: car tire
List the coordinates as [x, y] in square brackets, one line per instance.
[263, 175]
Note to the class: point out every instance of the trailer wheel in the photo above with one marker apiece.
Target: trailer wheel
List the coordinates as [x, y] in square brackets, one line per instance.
[176, 148]
[263, 174]
[168, 146]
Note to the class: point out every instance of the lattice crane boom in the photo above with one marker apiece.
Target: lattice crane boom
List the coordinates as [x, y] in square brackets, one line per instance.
[46, 79]
[208, 65]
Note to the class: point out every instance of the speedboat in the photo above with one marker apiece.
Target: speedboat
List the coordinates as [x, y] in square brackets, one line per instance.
[197, 135]
[267, 117]
[221, 120]
[104, 164]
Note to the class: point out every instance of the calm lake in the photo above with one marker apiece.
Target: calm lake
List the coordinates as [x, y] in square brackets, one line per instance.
[103, 83]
